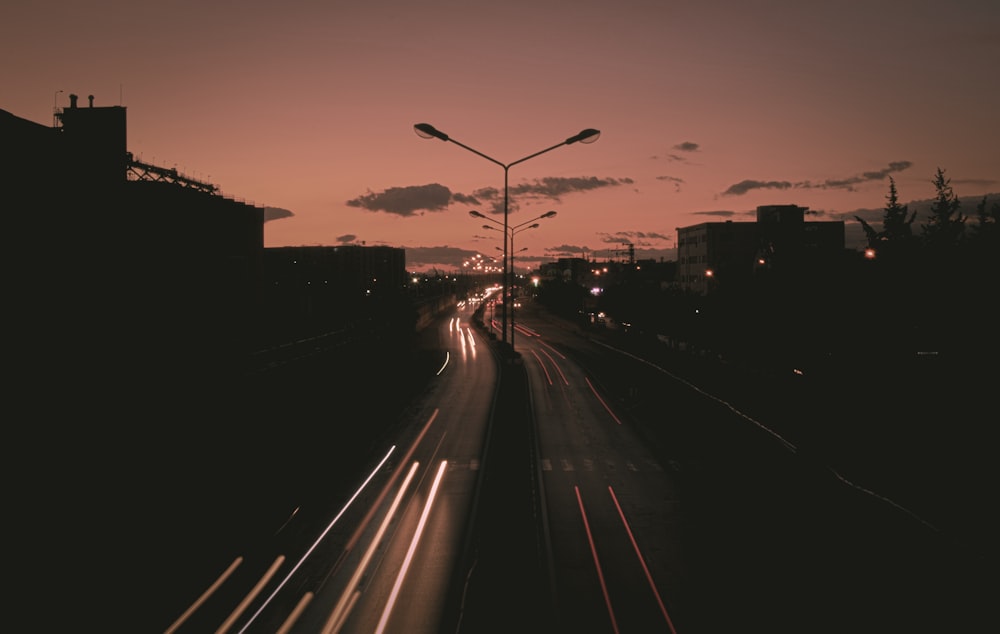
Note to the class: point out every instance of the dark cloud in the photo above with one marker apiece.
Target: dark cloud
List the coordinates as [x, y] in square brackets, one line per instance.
[717, 212]
[405, 201]
[276, 213]
[408, 201]
[848, 184]
[556, 187]
[743, 187]
[864, 177]
[677, 182]
[464, 199]
[644, 238]
[567, 251]
[686, 146]
[347, 238]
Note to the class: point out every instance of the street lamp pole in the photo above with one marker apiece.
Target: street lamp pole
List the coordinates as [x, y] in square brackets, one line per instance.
[513, 309]
[510, 265]
[427, 131]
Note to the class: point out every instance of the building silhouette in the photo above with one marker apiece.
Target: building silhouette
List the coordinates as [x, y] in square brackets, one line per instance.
[780, 243]
[142, 266]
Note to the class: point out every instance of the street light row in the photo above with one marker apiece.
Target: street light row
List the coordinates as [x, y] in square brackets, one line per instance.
[508, 291]
[427, 131]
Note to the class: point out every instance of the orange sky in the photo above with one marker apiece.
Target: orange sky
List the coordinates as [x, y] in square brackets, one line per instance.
[706, 110]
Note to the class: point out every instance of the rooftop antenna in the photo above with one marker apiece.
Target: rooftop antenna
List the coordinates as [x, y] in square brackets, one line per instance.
[55, 107]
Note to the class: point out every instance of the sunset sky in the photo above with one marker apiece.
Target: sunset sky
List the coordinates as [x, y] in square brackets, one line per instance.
[706, 109]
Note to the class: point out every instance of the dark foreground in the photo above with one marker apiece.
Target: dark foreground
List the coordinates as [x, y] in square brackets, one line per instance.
[121, 487]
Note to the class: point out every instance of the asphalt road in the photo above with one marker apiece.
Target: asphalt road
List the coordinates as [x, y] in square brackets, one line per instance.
[877, 522]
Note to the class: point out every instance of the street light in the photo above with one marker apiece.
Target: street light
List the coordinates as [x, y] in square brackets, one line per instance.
[509, 277]
[427, 131]
[510, 265]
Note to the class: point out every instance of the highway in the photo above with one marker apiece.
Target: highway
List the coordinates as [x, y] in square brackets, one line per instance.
[680, 500]
[612, 510]
[600, 490]
[383, 559]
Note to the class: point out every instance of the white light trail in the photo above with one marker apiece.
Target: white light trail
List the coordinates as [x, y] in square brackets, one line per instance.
[339, 614]
[322, 535]
[413, 547]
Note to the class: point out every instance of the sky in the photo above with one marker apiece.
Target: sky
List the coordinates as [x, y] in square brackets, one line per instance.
[706, 110]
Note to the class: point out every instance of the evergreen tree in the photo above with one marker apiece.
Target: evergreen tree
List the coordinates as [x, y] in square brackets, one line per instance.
[946, 225]
[984, 231]
[896, 226]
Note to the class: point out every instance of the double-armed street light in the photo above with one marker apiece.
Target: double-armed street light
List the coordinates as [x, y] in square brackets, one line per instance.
[427, 131]
[509, 278]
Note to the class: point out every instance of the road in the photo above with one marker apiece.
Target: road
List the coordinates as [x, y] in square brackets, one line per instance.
[614, 532]
[625, 491]
[384, 558]
[685, 498]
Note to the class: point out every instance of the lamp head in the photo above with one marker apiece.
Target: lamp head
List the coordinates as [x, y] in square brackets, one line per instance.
[548, 214]
[586, 136]
[427, 131]
[476, 214]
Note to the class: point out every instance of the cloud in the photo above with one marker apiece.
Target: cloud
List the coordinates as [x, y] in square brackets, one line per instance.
[718, 212]
[567, 250]
[848, 184]
[677, 182]
[744, 186]
[686, 146]
[408, 201]
[405, 201]
[636, 238]
[347, 238]
[553, 188]
[276, 213]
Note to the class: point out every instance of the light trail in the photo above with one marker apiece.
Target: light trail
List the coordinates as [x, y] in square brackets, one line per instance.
[642, 561]
[204, 597]
[541, 364]
[329, 526]
[597, 561]
[340, 611]
[592, 389]
[252, 595]
[555, 365]
[413, 547]
[447, 358]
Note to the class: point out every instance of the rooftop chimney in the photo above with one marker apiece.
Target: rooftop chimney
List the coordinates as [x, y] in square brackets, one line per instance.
[90, 98]
[72, 101]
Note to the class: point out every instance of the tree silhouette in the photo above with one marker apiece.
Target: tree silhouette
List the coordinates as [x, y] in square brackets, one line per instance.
[945, 226]
[897, 221]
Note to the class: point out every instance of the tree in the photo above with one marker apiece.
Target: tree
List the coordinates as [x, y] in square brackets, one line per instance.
[984, 232]
[896, 224]
[946, 225]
